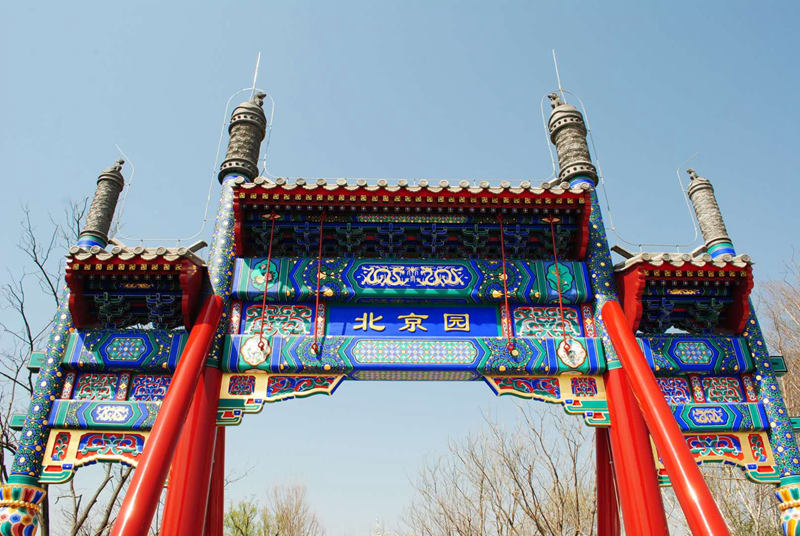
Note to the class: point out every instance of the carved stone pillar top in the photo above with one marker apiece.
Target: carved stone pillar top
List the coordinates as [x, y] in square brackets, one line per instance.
[247, 129]
[101, 212]
[113, 173]
[568, 133]
[709, 216]
[563, 115]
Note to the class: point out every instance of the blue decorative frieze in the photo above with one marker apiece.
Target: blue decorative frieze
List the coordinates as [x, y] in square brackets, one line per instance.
[674, 354]
[111, 415]
[348, 280]
[353, 355]
[145, 350]
[715, 417]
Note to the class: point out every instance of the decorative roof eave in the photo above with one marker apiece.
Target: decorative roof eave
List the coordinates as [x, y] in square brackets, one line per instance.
[120, 264]
[356, 192]
[683, 269]
[123, 253]
[683, 261]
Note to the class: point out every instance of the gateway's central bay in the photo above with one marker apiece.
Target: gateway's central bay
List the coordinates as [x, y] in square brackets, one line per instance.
[494, 284]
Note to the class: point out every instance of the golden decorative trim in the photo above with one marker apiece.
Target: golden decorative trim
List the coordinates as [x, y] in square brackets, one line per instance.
[22, 504]
[790, 504]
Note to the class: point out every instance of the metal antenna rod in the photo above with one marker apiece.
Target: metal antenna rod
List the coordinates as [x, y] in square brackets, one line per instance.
[255, 75]
[558, 77]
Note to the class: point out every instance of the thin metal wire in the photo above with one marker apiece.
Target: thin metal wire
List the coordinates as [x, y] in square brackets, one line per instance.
[553, 220]
[122, 204]
[547, 140]
[272, 217]
[601, 181]
[212, 176]
[265, 171]
[315, 346]
[507, 324]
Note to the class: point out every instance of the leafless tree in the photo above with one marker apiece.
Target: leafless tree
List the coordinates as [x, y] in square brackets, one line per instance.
[29, 297]
[285, 512]
[536, 479]
[779, 312]
[749, 509]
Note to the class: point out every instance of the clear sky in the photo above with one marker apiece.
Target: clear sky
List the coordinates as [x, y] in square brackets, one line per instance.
[399, 89]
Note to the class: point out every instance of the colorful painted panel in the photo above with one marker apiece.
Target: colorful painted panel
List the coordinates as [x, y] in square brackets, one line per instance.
[68, 450]
[676, 390]
[414, 375]
[346, 355]
[582, 395]
[149, 388]
[242, 385]
[59, 451]
[443, 281]
[96, 387]
[247, 393]
[408, 321]
[722, 389]
[701, 417]
[749, 451]
[546, 322]
[415, 276]
[672, 354]
[145, 350]
[279, 319]
[110, 415]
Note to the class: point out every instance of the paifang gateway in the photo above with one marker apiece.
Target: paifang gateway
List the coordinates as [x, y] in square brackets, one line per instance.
[311, 284]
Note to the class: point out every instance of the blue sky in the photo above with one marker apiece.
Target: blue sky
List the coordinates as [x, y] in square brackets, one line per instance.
[399, 89]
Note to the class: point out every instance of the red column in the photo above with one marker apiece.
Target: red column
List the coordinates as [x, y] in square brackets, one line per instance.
[215, 513]
[136, 513]
[607, 508]
[187, 493]
[698, 505]
[637, 482]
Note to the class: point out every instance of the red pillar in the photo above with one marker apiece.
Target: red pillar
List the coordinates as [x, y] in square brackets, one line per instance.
[637, 482]
[607, 507]
[215, 513]
[187, 493]
[139, 505]
[702, 514]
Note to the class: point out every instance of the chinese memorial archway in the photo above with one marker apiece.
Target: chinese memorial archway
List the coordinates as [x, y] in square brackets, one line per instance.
[309, 284]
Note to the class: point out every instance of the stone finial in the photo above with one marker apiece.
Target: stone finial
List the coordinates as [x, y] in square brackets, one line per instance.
[709, 216]
[101, 212]
[247, 129]
[555, 100]
[568, 134]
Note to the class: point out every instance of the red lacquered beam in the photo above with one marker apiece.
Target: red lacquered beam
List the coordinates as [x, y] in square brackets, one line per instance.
[702, 514]
[139, 505]
[216, 496]
[607, 506]
[189, 478]
[637, 482]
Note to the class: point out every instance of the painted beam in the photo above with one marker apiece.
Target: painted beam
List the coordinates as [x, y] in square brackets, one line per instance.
[429, 281]
[145, 350]
[708, 417]
[103, 415]
[696, 354]
[355, 355]
[750, 451]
